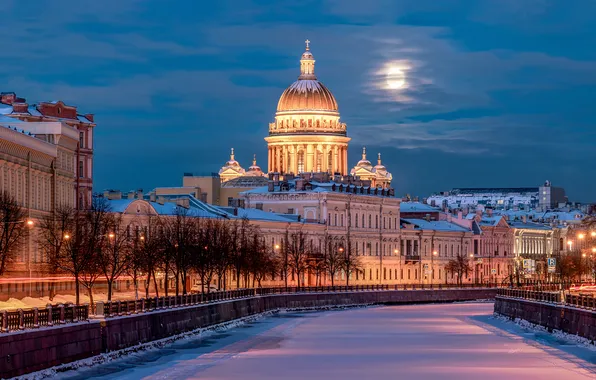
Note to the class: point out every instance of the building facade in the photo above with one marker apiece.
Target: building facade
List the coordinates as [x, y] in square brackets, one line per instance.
[17, 108]
[38, 169]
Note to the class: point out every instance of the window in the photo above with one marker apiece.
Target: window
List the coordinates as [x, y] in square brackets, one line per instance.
[356, 220]
[335, 221]
[81, 139]
[259, 206]
[376, 221]
[329, 220]
[342, 220]
[81, 174]
[370, 221]
[301, 161]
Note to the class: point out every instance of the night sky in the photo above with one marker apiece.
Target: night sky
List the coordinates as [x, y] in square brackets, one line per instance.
[496, 92]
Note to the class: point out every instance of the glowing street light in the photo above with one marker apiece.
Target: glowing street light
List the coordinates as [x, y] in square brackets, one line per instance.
[66, 236]
[276, 246]
[593, 233]
[395, 251]
[341, 249]
[435, 253]
[111, 235]
[581, 236]
[593, 249]
[142, 237]
[30, 222]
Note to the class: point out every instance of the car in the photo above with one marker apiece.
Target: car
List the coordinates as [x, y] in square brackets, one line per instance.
[198, 288]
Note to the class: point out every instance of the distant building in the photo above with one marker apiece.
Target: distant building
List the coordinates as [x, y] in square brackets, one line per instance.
[544, 196]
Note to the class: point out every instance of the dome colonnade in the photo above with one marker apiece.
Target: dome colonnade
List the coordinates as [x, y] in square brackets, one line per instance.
[307, 135]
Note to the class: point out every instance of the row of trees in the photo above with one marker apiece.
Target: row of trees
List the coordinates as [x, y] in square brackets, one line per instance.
[98, 244]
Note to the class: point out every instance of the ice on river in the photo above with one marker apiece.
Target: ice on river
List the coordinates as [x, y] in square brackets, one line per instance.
[438, 341]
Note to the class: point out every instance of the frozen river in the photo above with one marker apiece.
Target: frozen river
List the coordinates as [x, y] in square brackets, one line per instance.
[441, 341]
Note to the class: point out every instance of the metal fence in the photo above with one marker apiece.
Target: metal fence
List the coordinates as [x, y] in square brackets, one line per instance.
[583, 301]
[34, 318]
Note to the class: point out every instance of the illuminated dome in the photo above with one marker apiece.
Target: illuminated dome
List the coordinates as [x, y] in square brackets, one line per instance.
[364, 163]
[307, 93]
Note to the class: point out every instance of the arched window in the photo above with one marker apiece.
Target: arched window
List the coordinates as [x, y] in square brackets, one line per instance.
[369, 221]
[356, 220]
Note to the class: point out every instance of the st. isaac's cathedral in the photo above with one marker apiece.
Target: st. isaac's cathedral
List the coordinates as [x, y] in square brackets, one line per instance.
[308, 135]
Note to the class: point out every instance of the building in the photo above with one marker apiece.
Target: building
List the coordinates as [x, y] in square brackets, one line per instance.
[544, 197]
[37, 167]
[56, 111]
[377, 175]
[308, 136]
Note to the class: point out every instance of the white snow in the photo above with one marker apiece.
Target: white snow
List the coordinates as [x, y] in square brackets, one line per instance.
[30, 302]
[447, 341]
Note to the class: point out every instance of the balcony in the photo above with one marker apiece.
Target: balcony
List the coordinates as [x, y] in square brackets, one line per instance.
[412, 258]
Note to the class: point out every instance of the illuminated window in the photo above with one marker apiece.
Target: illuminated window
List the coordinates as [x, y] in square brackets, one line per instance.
[301, 161]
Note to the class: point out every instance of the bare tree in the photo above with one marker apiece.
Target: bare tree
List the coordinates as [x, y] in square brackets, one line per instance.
[298, 254]
[177, 240]
[96, 230]
[333, 257]
[114, 254]
[459, 266]
[13, 225]
[351, 262]
[149, 251]
[52, 231]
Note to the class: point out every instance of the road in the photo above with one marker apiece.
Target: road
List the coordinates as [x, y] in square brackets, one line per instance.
[446, 341]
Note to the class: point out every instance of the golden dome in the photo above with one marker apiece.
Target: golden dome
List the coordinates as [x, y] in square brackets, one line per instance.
[307, 93]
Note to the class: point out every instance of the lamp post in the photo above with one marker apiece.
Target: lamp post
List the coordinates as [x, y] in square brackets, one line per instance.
[432, 268]
[474, 267]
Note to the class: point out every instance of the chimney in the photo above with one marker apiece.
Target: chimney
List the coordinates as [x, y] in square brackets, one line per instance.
[140, 194]
[131, 195]
[300, 184]
[270, 186]
[90, 116]
[152, 196]
[8, 97]
[161, 200]
[427, 217]
[524, 218]
[460, 215]
[235, 211]
[489, 211]
[20, 107]
[449, 217]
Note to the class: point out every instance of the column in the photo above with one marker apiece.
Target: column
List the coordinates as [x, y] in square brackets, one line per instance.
[346, 160]
[324, 159]
[277, 159]
[309, 158]
[295, 160]
[335, 159]
[268, 159]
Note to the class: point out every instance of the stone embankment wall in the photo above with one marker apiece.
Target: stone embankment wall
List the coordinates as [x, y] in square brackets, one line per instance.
[33, 350]
[552, 316]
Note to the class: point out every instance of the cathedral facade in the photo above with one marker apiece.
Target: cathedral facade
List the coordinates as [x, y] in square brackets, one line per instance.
[308, 136]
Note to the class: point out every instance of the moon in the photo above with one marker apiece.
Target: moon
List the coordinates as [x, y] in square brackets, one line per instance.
[395, 78]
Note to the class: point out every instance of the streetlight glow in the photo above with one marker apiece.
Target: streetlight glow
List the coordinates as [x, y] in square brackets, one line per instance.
[593, 233]
[66, 236]
[435, 253]
[276, 246]
[111, 235]
[341, 249]
[581, 236]
[30, 222]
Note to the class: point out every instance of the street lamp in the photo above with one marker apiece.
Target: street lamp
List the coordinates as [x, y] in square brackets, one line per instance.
[581, 235]
[30, 222]
[570, 244]
[432, 267]
[111, 235]
[341, 249]
[66, 236]
[593, 233]
[276, 247]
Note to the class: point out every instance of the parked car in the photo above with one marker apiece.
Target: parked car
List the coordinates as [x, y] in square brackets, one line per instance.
[198, 288]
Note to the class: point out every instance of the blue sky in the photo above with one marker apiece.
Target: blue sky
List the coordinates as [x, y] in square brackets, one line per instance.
[499, 92]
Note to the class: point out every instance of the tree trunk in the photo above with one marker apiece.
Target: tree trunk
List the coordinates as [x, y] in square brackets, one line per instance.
[155, 285]
[110, 289]
[90, 293]
[165, 279]
[77, 289]
[147, 284]
[51, 289]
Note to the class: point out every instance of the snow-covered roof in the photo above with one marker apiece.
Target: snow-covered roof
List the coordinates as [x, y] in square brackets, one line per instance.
[254, 214]
[528, 225]
[434, 225]
[417, 207]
